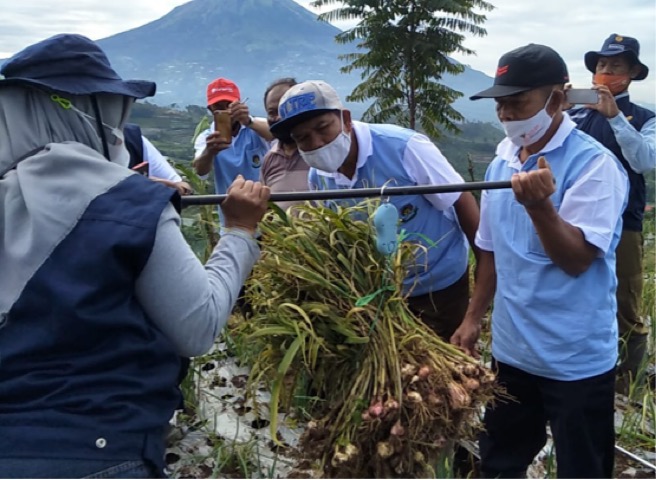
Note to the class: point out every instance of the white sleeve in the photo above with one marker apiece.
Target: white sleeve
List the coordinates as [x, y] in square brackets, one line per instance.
[201, 140]
[158, 166]
[426, 165]
[595, 202]
[483, 238]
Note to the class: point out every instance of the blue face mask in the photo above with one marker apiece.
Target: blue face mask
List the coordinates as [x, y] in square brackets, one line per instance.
[526, 132]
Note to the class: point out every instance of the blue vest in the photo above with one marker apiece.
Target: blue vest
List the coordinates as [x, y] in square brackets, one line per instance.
[84, 372]
[134, 143]
[595, 124]
[445, 261]
[545, 321]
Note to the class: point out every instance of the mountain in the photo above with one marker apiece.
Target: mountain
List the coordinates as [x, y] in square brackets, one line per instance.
[251, 42]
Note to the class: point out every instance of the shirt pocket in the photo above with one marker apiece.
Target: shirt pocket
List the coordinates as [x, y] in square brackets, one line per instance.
[534, 244]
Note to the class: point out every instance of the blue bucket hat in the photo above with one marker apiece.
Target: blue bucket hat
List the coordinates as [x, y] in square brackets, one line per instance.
[616, 45]
[71, 64]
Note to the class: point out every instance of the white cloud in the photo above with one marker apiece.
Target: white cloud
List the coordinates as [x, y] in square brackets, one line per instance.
[571, 27]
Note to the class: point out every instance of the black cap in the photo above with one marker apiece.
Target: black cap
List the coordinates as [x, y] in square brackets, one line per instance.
[526, 68]
[617, 45]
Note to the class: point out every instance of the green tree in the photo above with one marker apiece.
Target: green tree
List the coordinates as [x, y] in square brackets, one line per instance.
[403, 53]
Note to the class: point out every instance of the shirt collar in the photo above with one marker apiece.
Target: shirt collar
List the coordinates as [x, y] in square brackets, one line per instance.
[510, 152]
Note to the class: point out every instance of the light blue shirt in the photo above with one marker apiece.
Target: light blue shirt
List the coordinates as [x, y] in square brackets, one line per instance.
[546, 322]
[243, 157]
[395, 156]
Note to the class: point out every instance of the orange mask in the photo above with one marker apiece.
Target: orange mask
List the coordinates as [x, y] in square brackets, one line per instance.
[615, 83]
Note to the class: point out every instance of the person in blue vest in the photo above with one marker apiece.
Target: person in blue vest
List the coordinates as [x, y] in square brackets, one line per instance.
[243, 155]
[158, 168]
[100, 295]
[343, 153]
[548, 261]
[628, 130]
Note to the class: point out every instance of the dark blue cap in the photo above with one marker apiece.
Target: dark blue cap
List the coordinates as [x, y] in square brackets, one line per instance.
[617, 45]
[71, 64]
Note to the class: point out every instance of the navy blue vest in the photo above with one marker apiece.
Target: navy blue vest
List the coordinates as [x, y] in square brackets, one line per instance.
[84, 373]
[596, 125]
[134, 144]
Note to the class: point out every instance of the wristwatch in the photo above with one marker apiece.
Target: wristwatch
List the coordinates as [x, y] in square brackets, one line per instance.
[250, 120]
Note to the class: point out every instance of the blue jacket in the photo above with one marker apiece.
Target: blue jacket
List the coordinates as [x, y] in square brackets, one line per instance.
[84, 372]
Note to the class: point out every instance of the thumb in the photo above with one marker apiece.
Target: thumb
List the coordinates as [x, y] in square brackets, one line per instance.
[542, 162]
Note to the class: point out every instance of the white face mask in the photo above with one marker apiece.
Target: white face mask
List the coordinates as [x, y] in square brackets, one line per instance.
[332, 155]
[526, 132]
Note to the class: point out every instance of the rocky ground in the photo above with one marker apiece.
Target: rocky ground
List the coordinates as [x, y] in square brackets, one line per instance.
[229, 436]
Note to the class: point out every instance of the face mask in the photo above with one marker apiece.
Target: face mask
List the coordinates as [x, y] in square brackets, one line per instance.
[332, 155]
[615, 83]
[118, 152]
[114, 135]
[526, 132]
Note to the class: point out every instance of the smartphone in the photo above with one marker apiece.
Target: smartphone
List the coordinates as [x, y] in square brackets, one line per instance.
[141, 168]
[581, 96]
[223, 124]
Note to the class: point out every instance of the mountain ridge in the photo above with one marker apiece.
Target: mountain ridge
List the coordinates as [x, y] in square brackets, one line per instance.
[252, 42]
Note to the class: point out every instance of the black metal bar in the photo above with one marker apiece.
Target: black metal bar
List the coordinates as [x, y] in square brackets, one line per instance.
[190, 200]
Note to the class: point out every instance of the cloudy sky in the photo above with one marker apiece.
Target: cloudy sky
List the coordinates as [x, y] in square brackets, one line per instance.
[571, 27]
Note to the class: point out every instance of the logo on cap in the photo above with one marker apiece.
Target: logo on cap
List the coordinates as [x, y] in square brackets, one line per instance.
[502, 70]
[298, 104]
[619, 38]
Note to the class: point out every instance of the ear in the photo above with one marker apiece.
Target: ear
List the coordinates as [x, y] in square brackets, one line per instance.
[634, 71]
[556, 102]
[348, 122]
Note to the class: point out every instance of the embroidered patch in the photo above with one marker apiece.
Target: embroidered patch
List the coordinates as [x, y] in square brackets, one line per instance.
[408, 212]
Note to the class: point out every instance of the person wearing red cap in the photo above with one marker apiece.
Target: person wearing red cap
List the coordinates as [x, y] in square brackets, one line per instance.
[627, 130]
[250, 139]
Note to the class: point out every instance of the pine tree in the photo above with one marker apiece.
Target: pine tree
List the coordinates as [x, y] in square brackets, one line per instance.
[404, 48]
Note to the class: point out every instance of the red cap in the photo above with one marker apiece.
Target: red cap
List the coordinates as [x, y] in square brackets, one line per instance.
[222, 89]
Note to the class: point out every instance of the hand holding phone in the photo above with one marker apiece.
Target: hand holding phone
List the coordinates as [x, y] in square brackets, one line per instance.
[223, 124]
[582, 96]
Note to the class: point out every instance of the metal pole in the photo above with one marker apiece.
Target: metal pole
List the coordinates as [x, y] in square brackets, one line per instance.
[384, 191]
[635, 458]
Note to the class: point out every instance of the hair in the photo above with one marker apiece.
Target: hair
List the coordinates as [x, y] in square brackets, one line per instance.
[290, 81]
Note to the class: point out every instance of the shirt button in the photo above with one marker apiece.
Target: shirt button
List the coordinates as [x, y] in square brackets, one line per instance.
[101, 443]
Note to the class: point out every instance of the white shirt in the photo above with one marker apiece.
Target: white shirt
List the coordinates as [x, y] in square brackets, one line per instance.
[422, 161]
[158, 166]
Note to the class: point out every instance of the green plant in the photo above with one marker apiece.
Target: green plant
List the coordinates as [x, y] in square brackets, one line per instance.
[404, 48]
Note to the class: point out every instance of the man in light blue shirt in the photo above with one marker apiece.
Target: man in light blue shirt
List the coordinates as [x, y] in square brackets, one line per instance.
[627, 130]
[348, 154]
[548, 246]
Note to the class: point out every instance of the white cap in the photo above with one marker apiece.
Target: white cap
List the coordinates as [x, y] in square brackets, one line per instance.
[302, 102]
